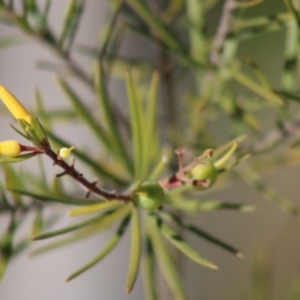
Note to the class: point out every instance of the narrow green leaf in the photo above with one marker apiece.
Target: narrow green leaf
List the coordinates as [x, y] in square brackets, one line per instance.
[136, 118]
[41, 110]
[69, 18]
[294, 292]
[189, 205]
[53, 67]
[166, 263]
[109, 119]
[109, 219]
[112, 26]
[106, 250]
[165, 35]
[17, 130]
[70, 24]
[17, 159]
[255, 87]
[293, 10]
[160, 168]
[76, 226]
[260, 276]
[150, 131]
[12, 40]
[254, 180]
[83, 112]
[258, 72]
[287, 95]
[195, 15]
[12, 181]
[74, 24]
[185, 248]
[94, 208]
[6, 245]
[135, 254]
[220, 163]
[220, 150]
[63, 200]
[38, 223]
[148, 266]
[288, 80]
[3, 265]
[45, 13]
[203, 234]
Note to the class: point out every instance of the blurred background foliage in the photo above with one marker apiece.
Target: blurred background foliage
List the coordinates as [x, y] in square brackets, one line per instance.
[156, 76]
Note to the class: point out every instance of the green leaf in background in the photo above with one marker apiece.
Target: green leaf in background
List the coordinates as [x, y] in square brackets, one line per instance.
[6, 244]
[149, 276]
[94, 208]
[17, 159]
[114, 134]
[12, 40]
[194, 206]
[84, 112]
[165, 35]
[102, 221]
[184, 247]
[254, 180]
[38, 223]
[258, 72]
[151, 134]
[255, 87]
[165, 260]
[63, 200]
[13, 181]
[260, 277]
[137, 128]
[71, 21]
[135, 253]
[106, 250]
[203, 234]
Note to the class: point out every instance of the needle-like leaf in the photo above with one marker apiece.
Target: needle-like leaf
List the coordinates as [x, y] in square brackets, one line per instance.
[137, 127]
[94, 208]
[166, 263]
[184, 247]
[203, 234]
[135, 254]
[148, 265]
[106, 250]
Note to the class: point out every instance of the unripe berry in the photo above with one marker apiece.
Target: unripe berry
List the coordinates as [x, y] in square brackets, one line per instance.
[149, 195]
[204, 171]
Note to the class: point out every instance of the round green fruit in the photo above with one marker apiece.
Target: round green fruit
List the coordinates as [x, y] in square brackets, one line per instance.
[205, 171]
[149, 195]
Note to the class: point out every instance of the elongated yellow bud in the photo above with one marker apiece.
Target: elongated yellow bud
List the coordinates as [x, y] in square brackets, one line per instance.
[65, 152]
[14, 105]
[10, 148]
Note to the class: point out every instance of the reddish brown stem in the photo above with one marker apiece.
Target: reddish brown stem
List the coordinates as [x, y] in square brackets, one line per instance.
[90, 186]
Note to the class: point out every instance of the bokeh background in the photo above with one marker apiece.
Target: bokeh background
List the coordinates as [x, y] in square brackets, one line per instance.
[267, 231]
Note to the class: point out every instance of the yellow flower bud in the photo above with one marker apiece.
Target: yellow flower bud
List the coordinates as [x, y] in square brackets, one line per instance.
[65, 152]
[10, 148]
[14, 105]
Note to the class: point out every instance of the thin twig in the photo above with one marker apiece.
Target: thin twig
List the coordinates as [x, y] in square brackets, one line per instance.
[222, 31]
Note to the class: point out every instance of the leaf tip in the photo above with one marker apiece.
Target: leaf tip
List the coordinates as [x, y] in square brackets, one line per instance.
[213, 266]
[240, 255]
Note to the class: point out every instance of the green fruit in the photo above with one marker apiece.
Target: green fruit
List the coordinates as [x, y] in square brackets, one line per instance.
[205, 171]
[149, 195]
